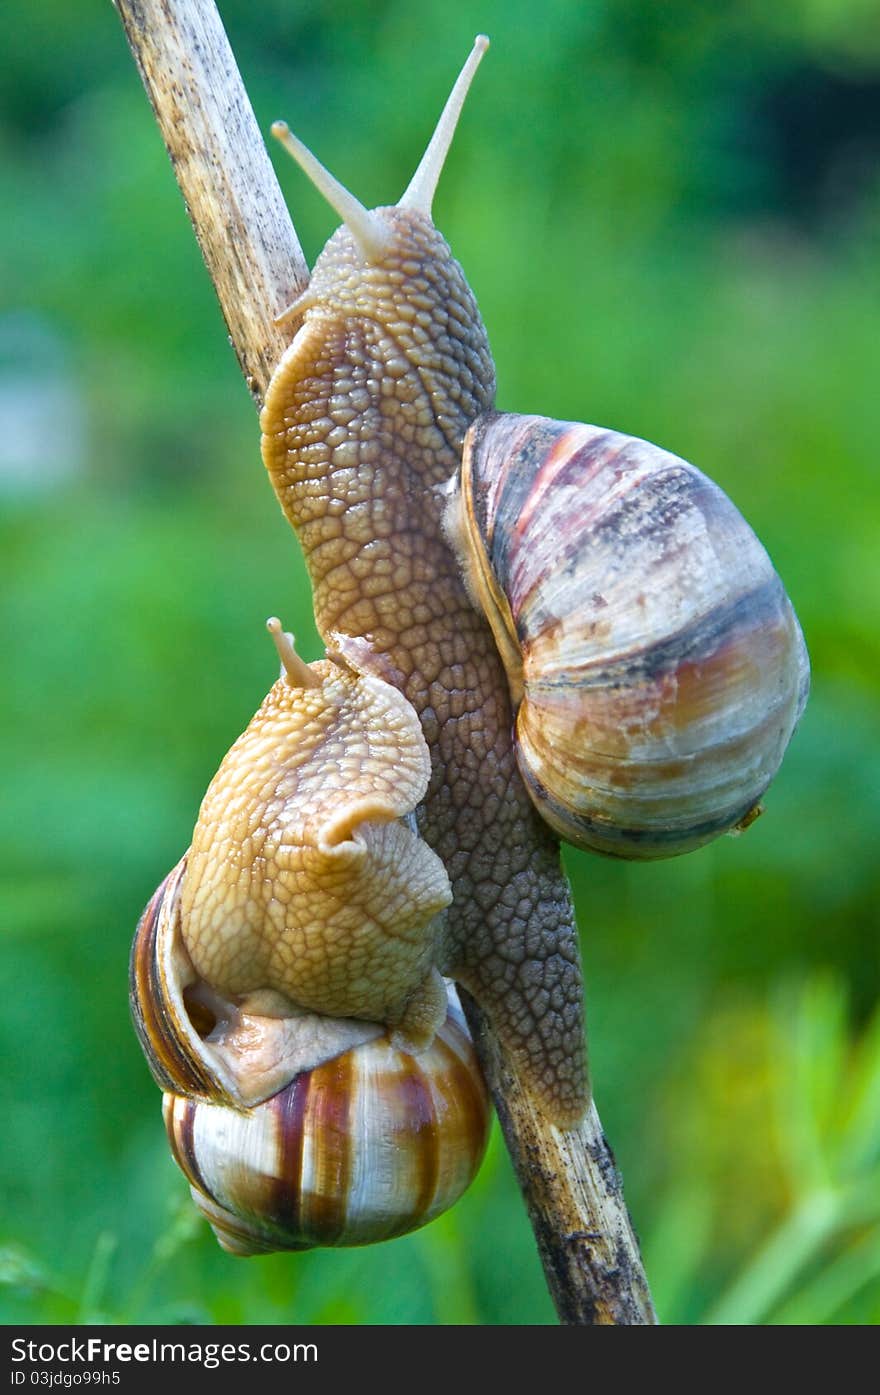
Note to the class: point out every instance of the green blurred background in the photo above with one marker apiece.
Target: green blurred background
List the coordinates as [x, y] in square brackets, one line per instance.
[670, 215]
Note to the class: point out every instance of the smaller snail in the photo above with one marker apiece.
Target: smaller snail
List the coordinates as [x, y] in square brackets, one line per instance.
[654, 659]
[301, 1130]
[320, 1086]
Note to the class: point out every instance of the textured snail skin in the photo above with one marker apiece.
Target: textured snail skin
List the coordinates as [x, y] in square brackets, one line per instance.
[363, 422]
[658, 663]
[303, 878]
[308, 1130]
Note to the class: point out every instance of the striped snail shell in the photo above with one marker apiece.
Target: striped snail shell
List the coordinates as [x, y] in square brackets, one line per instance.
[655, 660]
[301, 1130]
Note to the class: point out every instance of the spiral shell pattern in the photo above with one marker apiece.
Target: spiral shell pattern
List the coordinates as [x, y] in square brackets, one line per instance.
[366, 1147]
[657, 661]
[308, 1131]
[158, 978]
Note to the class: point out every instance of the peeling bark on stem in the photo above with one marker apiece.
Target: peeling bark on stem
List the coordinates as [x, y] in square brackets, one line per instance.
[569, 1180]
[234, 203]
[574, 1196]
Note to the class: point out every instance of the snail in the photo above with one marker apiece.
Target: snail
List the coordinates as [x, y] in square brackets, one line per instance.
[533, 629]
[295, 1131]
[320, 1085]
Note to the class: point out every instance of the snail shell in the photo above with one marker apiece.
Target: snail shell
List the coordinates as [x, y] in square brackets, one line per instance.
[304, 1130]
[657, 663]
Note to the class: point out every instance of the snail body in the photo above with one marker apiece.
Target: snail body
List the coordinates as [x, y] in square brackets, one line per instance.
[301, 1130]
[656, 663]
[304, 878]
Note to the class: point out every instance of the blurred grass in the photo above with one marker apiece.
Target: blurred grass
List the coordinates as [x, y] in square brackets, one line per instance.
[618, 199]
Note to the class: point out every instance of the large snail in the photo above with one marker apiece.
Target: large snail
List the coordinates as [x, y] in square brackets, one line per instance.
[593, 643]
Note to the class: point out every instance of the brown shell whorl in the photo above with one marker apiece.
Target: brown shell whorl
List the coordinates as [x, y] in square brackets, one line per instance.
[158, 974]
[307, 1130]
[363, 1148]
[660, 666]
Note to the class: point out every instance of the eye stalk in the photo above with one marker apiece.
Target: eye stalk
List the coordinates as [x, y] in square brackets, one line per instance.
[368, 231]
[423, 185]
[294, 670]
